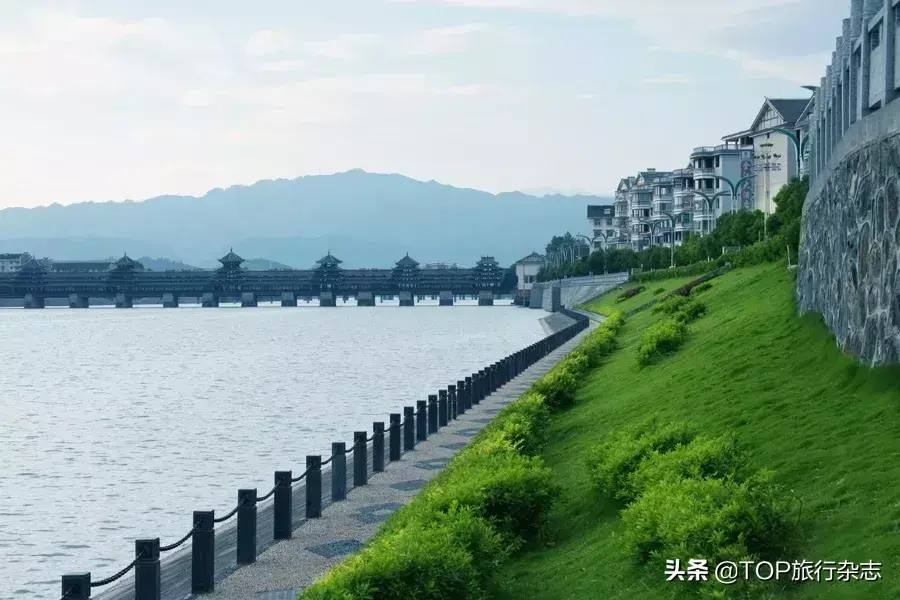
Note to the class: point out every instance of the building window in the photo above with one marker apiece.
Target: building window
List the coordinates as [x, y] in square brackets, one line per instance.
[875, 37]
[609, 221]
[529, 279]
[717, 161]
[718, 203]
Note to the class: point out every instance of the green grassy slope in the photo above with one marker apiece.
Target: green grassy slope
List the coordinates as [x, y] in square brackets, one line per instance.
[828, 427]
[609, 298]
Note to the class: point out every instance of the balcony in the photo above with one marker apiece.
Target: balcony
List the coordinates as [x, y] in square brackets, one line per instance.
[704, 172]
[684, 226]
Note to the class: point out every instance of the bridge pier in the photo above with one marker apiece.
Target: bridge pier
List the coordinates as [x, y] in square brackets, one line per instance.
[485, 298]
[169, 301]
[446, 299]
[248, 300]
[124, 301]
[407, 299]
[209, 300]
[288, 299]
[34, 301]
[327, 299]
[365, 299]
[76, 301]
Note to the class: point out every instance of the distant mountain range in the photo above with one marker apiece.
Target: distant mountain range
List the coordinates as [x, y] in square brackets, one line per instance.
[365, 219]
[164, 264]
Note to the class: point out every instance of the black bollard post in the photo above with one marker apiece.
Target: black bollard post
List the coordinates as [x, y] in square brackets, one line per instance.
[461, 394]
[313, 486]
[478, 384]
[378, 447]
[246, 527]
[203, 552]
[394, 438]
[147, 576]
[284, 505]
[76, 586]
[452, 404]
[443, 409]
[421, 426]
[338, 471]
[469, 392]
[409, 435]
[360, 459]
[456, 400]
[432, 413]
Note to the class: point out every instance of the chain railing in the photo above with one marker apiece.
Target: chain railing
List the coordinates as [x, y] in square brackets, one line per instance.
[404, 432]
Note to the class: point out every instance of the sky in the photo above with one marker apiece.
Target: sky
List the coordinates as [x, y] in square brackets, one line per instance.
[108, 100]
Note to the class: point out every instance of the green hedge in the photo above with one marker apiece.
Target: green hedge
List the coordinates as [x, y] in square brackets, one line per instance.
[661, 338]
[493, 497]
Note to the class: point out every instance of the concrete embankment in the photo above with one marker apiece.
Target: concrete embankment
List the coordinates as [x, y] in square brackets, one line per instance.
[573, 291]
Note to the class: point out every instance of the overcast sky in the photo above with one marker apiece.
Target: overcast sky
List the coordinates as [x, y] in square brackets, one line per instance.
[108, 100]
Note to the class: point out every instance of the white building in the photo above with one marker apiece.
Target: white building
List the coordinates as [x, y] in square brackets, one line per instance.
[717, 170]
[601, 218]
[775, 137]
[10, 263]
[527, 270]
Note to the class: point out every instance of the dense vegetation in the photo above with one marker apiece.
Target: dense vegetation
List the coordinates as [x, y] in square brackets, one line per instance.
[767, 442]
[743, 229]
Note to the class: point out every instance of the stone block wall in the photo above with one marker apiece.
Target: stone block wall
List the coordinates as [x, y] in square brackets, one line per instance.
[849, 269]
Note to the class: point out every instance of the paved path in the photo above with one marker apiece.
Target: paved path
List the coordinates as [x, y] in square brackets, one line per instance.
[288, 566]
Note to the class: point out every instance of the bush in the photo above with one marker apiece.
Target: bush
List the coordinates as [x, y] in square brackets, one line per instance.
[661, 338]
[690, 311]
[612, 463]
[523, 424]
[598, 345]
[558, 388]
[630, 293]
[718, 519]
[702, 287]
[670, 304]
[658, 291]
[702, 457]
[576, 362]
[452, 556]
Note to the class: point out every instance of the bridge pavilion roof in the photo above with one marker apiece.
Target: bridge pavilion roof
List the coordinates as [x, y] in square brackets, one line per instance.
[231, 258]
[32, 266]
[328, 261]
[487, 261]
[126, 262]
[407, 263]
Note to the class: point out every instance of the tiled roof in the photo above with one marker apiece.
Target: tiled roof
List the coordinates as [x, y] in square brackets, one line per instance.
[534, 257]
[408, 262]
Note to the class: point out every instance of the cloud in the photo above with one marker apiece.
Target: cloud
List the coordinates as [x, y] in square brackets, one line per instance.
[667, 79]
[724, 28]
[444, 40]
[282, 65]
[196, 98]
[350, 46]
[268, 41]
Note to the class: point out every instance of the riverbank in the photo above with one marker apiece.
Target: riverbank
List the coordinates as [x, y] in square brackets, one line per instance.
[288, 567]
[827, 427]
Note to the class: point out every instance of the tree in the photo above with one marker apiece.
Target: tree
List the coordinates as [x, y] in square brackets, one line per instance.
[558, 242]
[510, 281]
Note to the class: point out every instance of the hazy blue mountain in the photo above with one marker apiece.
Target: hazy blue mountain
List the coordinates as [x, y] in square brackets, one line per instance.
[365, 219]
[164, 264]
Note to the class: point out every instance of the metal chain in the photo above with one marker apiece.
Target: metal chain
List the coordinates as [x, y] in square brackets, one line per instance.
[231, 514]
[179, 542]
[330, 458]
[296, 479]
[118, 575]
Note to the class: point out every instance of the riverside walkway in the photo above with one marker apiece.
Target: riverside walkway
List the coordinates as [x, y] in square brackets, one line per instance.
[287, 567]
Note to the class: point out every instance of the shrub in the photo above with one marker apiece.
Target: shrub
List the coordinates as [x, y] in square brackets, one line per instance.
[701, 458]
[661, 338]
[598, 345]
[614, 321]
[690, 311]
[718, 519]
[576, 362]
[702, 287]
[658, 291]
[612, 463]
[630, 293]
[670, 304]
[558, 388]
[452, 556]
[510, 491]
[523, 424]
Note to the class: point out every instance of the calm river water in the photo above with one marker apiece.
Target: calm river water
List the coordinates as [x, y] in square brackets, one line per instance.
[117, 424]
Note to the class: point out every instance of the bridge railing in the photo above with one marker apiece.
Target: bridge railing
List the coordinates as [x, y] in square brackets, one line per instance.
[213, 546]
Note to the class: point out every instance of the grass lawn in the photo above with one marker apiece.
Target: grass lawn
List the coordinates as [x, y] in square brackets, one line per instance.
[609, 298]
[828, 427]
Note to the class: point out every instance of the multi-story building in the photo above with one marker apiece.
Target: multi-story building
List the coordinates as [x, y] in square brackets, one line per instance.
[527, 270]
[716, 170]
[775, 137]
[601, 218]
[622, 238]
[683, 202]
[11, 262]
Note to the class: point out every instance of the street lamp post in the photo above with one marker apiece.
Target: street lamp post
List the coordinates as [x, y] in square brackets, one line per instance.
[735, 186]
[711, 205]
[767, 161]
[591, 247]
